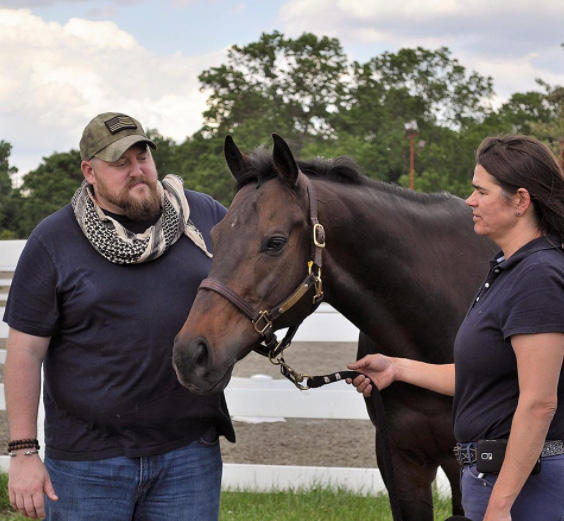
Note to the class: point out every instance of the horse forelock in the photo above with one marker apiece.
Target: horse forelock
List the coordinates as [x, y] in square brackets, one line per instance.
[343, 169]
[259, 168]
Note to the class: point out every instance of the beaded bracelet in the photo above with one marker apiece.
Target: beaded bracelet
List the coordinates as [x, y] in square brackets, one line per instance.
[30, 443]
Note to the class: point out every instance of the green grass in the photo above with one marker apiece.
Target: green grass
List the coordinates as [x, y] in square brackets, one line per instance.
[315, 504]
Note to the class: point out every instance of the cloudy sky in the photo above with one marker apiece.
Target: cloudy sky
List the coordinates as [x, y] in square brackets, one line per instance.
[64, 61]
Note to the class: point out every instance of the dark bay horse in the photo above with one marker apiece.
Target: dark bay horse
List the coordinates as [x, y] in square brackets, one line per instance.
[402, 266]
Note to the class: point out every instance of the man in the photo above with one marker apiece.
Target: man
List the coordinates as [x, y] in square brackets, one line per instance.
[100, 291]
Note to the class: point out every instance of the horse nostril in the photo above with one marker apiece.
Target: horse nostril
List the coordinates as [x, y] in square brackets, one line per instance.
[192, 359]
[201, 354]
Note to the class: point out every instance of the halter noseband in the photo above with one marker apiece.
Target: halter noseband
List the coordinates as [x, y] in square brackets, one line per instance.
[263, 320]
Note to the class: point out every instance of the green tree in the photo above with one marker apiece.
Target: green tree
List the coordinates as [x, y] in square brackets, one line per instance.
[428, 86]
[202, 165]
[49, 187]
[448, 93]
[5, 169]
[551, 129]
[291, 86]
[166, 155]
[7, 210]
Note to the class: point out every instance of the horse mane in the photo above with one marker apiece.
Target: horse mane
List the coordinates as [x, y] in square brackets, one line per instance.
[342, 169]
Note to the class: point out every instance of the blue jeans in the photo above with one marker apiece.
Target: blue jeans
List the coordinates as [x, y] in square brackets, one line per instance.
[541, 498]
[180, 485]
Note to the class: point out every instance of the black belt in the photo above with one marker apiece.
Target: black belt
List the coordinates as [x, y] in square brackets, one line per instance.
[465, 453]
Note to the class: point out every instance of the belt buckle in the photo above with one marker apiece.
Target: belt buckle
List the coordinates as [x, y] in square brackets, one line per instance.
[465, 455]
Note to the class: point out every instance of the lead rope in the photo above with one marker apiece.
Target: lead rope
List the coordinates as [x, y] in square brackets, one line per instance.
[314, 382]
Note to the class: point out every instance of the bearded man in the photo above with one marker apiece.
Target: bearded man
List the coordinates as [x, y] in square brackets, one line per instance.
[100, 291]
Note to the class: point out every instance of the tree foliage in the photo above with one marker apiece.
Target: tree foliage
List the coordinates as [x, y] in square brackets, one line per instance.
[48, 188]
[7, 207]
[292, 85]
[325, 105]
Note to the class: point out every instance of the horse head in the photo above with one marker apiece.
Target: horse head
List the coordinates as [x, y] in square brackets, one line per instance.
[260, 255]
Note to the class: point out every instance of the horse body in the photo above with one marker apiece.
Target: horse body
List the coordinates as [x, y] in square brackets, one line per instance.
[405, 278]
[401, 266]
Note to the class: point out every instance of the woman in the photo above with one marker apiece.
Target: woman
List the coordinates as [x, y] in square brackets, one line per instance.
[507, 373]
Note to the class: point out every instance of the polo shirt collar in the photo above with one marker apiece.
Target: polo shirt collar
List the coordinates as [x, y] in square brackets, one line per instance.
[546, 242]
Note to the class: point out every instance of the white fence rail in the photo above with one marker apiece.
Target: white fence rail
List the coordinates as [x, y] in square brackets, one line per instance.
[253, 397]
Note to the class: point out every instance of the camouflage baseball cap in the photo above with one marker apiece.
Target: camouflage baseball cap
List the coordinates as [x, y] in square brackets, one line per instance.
[109, 135]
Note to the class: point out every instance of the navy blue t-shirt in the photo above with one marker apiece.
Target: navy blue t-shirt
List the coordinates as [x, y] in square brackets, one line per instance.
[521, 295]
[110, 388]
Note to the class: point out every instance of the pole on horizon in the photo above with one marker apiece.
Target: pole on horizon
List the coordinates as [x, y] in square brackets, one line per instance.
[411, 132]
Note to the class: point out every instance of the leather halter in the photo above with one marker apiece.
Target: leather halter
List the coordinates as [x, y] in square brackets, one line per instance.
[263, 320]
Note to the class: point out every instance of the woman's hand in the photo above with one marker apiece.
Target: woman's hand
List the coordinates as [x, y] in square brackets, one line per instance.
[501, 516]
[378, 368]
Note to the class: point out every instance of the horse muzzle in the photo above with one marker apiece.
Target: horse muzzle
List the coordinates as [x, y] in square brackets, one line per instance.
[197, 369]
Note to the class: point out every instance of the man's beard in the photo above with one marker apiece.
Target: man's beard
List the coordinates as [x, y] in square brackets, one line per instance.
[135, 208]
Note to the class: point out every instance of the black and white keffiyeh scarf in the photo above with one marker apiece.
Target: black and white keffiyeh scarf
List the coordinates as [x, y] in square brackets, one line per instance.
[121, 246]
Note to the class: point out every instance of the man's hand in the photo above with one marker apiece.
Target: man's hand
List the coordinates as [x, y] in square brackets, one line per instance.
[28, 481]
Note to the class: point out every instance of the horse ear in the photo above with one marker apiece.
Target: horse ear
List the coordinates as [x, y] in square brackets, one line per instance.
[236, 161]
[284, 161]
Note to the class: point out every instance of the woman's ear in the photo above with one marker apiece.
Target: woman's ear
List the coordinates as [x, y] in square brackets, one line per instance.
[522, 200]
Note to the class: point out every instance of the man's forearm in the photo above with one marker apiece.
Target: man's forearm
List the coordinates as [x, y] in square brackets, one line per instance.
[22, 382]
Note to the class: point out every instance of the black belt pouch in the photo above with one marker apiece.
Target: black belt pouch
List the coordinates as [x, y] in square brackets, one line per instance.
[490, 455]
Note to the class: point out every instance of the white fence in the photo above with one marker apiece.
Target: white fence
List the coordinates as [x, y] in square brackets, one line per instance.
[253, 397]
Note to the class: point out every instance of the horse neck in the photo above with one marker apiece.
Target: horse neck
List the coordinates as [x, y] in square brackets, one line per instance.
[386, 254]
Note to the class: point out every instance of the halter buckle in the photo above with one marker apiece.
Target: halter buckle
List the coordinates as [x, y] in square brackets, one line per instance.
[319, 235]
[318, 297]
[317, 281]
[263, 315]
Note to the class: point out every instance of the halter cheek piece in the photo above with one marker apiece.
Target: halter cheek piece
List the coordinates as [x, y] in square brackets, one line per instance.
[263, 320]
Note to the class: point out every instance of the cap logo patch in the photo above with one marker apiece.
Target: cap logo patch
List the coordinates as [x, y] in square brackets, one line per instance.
[118, 123]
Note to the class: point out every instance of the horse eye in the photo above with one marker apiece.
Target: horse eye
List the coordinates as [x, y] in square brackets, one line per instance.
[275, 244]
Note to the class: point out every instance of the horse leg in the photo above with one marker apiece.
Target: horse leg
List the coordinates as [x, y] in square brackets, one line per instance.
[414, 483]
[452, 471]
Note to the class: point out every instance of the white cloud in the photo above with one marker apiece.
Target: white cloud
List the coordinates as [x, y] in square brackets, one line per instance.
[57, 77]
[370, 11]
[48, 3]
[179, 4]
[528, 48]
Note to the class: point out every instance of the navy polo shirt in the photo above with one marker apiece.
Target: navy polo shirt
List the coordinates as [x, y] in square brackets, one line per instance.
[521, 295]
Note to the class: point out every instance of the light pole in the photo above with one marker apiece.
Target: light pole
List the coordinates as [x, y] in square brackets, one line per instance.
[411, 132]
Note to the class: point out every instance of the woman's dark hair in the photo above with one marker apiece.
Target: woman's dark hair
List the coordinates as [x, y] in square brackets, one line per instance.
[524, 162]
